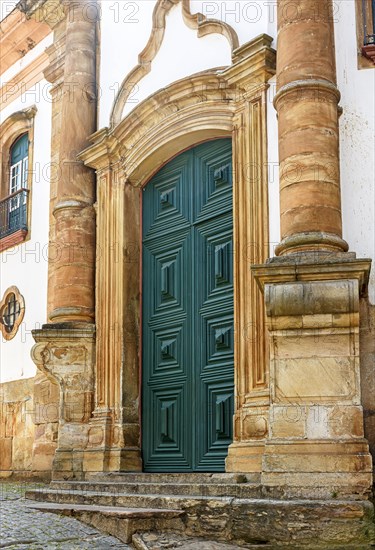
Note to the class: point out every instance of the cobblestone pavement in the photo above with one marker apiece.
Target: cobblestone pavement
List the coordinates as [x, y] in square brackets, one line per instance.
[22, 528]
[158, 541]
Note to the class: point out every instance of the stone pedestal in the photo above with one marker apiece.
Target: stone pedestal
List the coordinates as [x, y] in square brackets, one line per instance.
[46, 420]
[67, 357]
[316, 444]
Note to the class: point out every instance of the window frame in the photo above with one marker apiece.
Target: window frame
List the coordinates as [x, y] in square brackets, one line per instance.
[366, 59]
[13, 290]
[16, 125]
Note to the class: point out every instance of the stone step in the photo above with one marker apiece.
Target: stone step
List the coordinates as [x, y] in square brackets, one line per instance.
[176, 478]
[334, 524]
[119, 522]
[127, 500]
[239, 490]
[160, 541]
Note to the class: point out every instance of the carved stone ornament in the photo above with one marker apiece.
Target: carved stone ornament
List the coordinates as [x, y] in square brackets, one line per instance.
[198, 22]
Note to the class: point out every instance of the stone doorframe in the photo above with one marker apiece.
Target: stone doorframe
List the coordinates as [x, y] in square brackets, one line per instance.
[213, 104]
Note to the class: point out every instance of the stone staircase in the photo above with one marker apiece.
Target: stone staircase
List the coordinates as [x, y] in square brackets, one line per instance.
[223, 507]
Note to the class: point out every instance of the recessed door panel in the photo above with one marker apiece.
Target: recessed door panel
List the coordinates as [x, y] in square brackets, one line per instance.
[188, 333]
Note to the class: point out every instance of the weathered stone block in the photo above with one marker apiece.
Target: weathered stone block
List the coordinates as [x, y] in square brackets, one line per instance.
[288, 422]
[6, 454]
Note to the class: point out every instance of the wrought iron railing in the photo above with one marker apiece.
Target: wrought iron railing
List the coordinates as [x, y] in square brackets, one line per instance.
[368, 14]
[13, 212]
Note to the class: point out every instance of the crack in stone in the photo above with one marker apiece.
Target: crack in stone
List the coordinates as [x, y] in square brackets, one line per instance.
[17, 543]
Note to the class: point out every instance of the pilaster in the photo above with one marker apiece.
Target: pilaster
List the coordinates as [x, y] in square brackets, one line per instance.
[254, 64]
[114, 433]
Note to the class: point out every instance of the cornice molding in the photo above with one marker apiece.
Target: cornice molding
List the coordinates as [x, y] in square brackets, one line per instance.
[323, 267]
[198, 22]
[254, 63]
[19, 35]
[24, 80]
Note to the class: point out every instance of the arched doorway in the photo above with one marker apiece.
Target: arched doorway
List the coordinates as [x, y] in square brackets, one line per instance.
[188, 333]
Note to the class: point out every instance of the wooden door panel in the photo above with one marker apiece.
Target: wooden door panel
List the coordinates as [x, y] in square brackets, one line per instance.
[188, 335]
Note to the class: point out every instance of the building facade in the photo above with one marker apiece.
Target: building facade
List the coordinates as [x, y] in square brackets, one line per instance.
[187, 228]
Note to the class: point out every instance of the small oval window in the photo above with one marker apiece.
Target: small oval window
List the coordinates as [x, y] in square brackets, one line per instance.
[11, 312]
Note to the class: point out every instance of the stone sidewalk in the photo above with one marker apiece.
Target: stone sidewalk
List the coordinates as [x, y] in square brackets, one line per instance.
[22, 528]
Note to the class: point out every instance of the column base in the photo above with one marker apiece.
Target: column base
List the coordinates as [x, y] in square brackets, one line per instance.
[111, 445]
[315, 446]
[318, 469]
[68, 465]
[320, 242]
[245, 457]
[112, 460]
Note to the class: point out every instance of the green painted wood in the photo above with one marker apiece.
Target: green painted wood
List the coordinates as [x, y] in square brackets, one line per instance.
[19, 149]
[188, 332]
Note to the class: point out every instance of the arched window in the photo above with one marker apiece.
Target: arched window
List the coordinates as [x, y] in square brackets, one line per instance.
[16, 160]
[19, 157]
[13, 208]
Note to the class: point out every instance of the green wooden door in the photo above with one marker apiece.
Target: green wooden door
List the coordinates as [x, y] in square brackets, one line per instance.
[188, 335]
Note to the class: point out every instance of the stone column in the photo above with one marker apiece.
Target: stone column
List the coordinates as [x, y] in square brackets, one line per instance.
[315, 446]
[307, 106]
[73, 249]
[65, 350]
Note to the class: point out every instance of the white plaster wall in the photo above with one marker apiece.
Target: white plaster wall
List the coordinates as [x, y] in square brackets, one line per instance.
[357, 141]
[182, 53]
[6, 6]
[26, 265]
[248, 17]
[125, 30]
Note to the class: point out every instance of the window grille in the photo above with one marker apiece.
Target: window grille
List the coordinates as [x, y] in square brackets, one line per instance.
[14, 207]
[368, 14]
